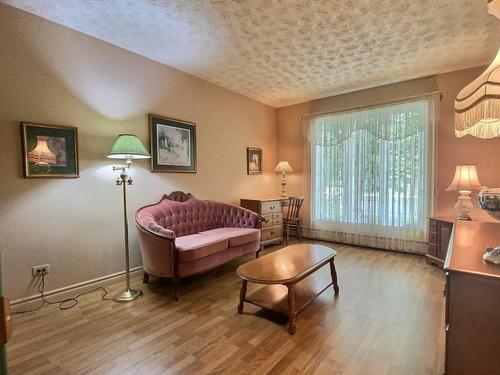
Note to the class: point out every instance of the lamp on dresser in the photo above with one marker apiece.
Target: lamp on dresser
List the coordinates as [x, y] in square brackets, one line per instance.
[283, 167]
[127, 147]
[464, 181]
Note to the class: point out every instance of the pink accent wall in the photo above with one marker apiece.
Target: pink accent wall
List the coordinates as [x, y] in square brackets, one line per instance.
[450, 150]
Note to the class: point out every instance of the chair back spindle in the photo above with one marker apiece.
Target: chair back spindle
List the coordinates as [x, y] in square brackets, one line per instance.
[292, 218]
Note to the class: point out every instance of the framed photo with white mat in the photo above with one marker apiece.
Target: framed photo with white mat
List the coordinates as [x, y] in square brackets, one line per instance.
[173, 145]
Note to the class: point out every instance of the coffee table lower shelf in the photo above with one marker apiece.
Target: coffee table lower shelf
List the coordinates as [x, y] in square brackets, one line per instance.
[275, 297]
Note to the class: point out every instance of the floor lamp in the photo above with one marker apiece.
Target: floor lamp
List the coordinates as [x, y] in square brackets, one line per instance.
[127, 147]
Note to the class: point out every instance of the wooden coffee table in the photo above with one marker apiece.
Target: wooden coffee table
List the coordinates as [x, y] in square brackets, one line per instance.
[289, 289]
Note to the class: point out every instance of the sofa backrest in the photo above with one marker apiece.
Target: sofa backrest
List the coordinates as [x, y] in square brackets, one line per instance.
[193, 215]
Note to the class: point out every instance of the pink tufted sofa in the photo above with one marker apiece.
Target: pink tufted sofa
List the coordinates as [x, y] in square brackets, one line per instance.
[182, 236]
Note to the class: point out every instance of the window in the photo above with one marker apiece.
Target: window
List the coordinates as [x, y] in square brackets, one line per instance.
[371, 172]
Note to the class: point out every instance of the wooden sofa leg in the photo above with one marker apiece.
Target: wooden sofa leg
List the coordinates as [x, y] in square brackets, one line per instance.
[257, 254]
[145, 278]
[175, 281]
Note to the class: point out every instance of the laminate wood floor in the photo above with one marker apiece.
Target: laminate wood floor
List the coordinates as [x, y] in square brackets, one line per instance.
[388, 319]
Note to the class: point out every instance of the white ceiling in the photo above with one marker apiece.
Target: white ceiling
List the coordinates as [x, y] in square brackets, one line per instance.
[282, 52]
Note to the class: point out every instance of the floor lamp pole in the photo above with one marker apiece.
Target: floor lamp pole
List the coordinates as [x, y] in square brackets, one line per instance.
[125, 226]
[128, 294]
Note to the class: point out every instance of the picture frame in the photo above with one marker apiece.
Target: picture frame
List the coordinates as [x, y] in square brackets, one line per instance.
[173, 145]
[254, 160]
[49, 151]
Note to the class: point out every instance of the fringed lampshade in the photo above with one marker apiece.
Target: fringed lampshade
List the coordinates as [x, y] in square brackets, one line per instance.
[283, 166]
[477, 106]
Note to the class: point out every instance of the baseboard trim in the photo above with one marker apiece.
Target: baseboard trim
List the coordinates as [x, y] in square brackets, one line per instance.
[78, 287]
[315, 234]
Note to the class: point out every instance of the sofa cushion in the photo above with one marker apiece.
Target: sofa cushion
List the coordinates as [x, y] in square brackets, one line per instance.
[236, 236]
[197, 246]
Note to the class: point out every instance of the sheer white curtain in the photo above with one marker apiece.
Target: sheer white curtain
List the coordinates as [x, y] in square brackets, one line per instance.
[372, 175]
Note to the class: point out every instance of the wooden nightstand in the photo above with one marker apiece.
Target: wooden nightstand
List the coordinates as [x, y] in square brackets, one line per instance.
[272, 211]
[440, 229]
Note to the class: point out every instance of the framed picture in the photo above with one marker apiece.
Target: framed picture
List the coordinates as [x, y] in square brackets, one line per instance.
[254, 160]
[49, 150]
[173, 145]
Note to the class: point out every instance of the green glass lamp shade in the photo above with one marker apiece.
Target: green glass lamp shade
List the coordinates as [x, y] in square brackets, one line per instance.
[128, 146]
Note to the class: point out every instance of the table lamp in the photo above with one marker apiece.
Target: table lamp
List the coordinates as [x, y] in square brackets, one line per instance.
[127, 147]
[283, 167]
[464, 182]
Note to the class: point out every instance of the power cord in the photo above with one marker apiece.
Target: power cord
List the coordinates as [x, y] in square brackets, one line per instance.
[62, 303]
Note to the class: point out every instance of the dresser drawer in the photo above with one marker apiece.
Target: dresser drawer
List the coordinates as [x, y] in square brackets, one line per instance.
[433, 225]
[432, 250]
[271, 233]
[268, 221]
[278, 219]
[270, 207]
[433, 238]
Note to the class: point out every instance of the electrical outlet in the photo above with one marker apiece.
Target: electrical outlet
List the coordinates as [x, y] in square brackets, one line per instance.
[39, 270]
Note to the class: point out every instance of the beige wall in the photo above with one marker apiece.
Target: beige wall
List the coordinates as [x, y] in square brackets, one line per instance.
[450, 150]
[51, 74]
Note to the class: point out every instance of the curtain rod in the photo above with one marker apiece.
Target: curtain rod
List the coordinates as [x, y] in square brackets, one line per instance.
[382, 104]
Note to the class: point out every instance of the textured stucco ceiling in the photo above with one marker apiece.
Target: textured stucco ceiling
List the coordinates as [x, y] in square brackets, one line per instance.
[289, 51]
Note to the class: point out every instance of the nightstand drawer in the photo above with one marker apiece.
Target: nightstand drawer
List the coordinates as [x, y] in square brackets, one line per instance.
[270, 207]
[271, 233]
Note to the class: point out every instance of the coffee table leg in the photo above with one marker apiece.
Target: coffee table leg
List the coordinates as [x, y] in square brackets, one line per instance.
[334, 277]
[243, 293]
[291, 309]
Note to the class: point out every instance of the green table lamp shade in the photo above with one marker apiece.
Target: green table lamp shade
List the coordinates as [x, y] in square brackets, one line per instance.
[128, 146]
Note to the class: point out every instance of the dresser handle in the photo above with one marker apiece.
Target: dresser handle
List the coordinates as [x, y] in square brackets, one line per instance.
[447, 327]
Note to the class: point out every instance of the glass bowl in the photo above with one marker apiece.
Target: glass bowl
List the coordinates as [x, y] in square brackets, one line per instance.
[489, 201]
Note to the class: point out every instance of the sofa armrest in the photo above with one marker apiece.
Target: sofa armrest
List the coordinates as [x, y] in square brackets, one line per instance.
[157, 246]
[158, 230]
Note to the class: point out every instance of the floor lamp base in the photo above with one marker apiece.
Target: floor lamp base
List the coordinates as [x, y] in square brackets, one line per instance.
[127, 295]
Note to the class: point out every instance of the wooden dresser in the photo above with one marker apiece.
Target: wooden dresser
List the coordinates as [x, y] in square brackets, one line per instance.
[472, 292]
[272, 211]
[439, 237]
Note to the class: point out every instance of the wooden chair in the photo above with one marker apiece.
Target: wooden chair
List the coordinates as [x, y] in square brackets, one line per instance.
[291, 221]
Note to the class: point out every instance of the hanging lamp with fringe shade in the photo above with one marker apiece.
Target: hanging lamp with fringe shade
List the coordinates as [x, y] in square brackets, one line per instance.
[477, 106]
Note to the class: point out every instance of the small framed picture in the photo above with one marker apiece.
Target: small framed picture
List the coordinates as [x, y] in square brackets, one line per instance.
[173, 145]
[254, 160]
[49, 150]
